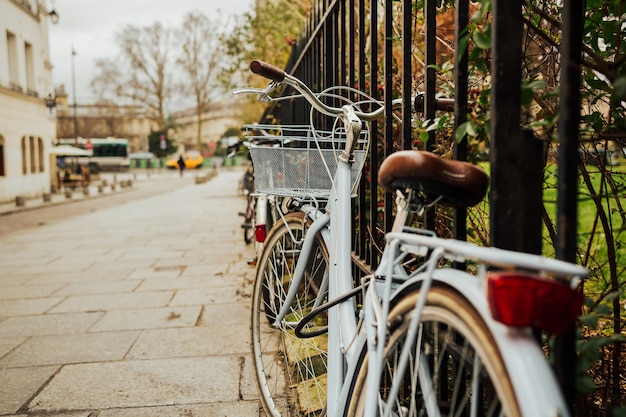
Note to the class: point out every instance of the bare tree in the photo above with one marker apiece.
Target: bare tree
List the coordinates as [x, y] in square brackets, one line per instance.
[201, 57]
[106, 84]
[141, 73]
[147, 51]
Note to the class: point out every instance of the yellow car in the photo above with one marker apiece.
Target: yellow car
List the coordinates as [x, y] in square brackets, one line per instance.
[193, 159]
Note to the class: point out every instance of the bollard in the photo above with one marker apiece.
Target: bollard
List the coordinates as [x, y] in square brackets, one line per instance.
[85, 190]
[20, 201]
[68, 193]
[100, 189]
[47, 197]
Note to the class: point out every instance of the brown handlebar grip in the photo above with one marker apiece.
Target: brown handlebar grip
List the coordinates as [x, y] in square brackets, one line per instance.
[267, 70]
[445, 104]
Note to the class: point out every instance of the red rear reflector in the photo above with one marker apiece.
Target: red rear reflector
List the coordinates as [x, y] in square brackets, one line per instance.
[519, 300]
[259, 232]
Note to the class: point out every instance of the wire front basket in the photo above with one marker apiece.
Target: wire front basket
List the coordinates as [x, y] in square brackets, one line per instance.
[297, 161]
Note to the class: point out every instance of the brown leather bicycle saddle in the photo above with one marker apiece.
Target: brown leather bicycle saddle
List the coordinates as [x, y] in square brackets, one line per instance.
[460, 184]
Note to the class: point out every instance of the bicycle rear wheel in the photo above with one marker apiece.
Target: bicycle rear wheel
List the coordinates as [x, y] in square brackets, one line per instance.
[290, 372]
[454, 369]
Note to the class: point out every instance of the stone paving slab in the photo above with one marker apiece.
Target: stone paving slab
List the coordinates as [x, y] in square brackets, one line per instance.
[153, 318]
[66, 349]
[157, 382]
[183, 342]
[48, 324]
[20, 384]
[118, 301]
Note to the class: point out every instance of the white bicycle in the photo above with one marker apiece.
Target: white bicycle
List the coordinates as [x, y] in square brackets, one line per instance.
[425, 341]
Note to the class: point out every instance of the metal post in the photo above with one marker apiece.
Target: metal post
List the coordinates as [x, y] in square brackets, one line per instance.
[388, 97]
[460, 103]
[74, 94]
[430, 17]
[373, 209]
[516, 157]
[569, 119]
[407, 37]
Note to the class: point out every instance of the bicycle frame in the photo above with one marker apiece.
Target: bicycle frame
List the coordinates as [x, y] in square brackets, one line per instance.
[346, 340]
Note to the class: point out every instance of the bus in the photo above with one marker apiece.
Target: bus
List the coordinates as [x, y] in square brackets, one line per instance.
[109, 154]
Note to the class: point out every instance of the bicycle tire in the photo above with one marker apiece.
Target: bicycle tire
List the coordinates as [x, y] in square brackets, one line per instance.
[289, 372]
[248, 220]
[452, 335]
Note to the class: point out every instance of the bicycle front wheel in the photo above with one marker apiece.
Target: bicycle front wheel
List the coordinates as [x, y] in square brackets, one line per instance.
[454, 367]
[290, 372]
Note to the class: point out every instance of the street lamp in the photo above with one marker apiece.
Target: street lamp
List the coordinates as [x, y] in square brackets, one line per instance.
[52, 13]
[54, 16]
[51, 102]
[74, 94]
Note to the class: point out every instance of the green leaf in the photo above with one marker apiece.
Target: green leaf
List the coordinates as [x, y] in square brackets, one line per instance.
[620, 88]
[602, 309]
[584, 384]
[618, 412]
[471, 128]
[612, 296]
[481, 39]
[480, 13]
[461, 131]
[589, 320]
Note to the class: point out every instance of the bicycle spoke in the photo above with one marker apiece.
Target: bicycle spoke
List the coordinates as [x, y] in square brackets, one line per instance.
[445, 374]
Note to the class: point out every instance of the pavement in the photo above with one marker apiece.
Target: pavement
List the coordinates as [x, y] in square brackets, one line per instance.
[135, 309]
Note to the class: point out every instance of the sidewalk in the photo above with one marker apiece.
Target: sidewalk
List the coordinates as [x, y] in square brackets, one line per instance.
[107, 184]
[136, 310]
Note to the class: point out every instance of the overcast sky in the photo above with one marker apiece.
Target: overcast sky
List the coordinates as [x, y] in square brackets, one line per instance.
[89, 27]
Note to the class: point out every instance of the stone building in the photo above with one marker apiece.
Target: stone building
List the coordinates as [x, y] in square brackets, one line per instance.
[101, 120]
[27, 124]
[216, 118]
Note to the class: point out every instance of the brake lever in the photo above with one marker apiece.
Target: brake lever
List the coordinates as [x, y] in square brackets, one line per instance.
[263, 94]
[247, 90]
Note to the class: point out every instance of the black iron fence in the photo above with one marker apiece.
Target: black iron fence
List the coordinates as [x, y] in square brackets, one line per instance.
[389, 48]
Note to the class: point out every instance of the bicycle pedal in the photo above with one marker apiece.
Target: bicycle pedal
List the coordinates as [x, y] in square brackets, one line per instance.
[252, 261]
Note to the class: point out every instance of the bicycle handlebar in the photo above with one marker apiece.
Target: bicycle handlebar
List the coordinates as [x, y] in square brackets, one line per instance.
[278, 76]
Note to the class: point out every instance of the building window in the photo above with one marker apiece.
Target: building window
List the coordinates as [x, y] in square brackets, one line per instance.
[40, 149]
[24, 160]
[14, 77]
[30, 68]
[32, 154]
[2, 174]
